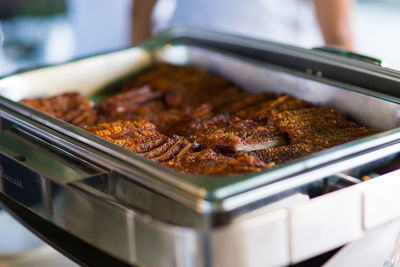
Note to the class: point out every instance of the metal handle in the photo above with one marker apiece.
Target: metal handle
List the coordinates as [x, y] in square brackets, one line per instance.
[348, 54]
[58, 166]
[28, 170]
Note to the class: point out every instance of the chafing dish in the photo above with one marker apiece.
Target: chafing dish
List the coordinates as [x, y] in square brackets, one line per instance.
[143, 213]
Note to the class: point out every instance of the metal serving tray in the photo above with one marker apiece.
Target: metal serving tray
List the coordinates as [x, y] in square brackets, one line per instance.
[130, 207]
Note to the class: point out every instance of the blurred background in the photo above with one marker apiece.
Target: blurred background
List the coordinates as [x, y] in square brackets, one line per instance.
[42, 32]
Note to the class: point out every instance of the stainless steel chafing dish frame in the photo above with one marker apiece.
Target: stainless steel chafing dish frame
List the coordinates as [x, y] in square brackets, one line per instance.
[118, 180]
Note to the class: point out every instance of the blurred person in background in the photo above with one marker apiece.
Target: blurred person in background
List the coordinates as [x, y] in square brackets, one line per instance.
[286, 21]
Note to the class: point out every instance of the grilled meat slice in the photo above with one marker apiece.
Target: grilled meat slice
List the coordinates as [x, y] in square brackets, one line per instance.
[182, 86]
[277, 155]
[141, 112]
[141, 137]
[321, 127]
[298, 123]
[178, 148]
[70, 107]
[310, 118]
[138, 137]
[264, 110]
[163, 77]
[175, 121]
[335, 136]
[246, 101]
[210, 163]
[162, 149]
[121, 105]
[222, 133]
[226, 95]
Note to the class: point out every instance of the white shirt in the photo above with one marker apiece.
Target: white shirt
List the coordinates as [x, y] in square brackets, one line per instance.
[286, 21]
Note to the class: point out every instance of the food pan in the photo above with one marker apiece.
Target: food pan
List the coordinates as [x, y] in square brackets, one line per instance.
[75, 179]
[358, 103]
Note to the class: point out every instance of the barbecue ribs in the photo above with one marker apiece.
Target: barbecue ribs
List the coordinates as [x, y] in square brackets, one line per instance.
[70, 107]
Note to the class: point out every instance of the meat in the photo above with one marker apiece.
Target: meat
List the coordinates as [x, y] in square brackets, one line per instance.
[124, 104]
[176, 152]
[181, 85]
[335, 136]
[138, 137]
[233, 134]
[245, 101]
[163, 77]
[199, 123]
[179, 147]
[265, 109]
[229, 94]
[210, 163]
[162, 149]
[142, 138]
[170, 97]
[320, 127]
[70, 107]
[277, 155]
[175, 121]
